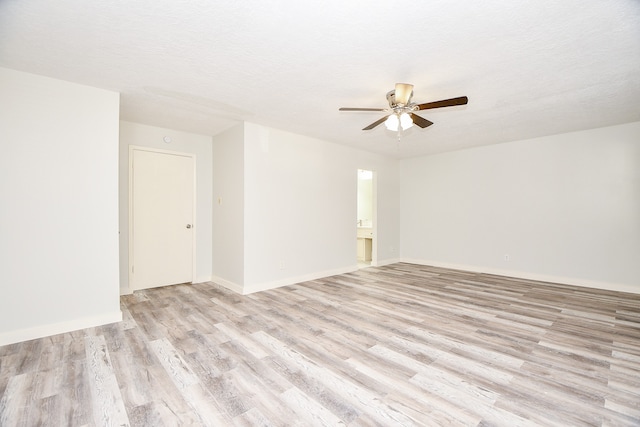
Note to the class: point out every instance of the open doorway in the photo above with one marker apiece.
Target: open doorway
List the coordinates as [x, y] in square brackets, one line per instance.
[366, 252]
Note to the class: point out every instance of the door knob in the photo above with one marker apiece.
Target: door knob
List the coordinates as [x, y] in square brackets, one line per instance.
[188, 225]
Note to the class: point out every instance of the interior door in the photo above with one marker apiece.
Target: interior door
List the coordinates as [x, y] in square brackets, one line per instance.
[162, 192]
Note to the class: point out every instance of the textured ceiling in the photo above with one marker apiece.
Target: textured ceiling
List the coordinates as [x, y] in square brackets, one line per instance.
[529, 68]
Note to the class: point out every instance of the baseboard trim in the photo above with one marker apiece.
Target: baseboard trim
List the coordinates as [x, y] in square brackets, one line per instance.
[202, 279]
[385, 262]
[232, 286]
[257, 287]
[619, 287]
[36, 332]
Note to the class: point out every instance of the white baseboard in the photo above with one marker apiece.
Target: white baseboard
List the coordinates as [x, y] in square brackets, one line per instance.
[389, 261]
[58, 328]
[619, 287]
[227, 284]
[257, 287]
[202, 279]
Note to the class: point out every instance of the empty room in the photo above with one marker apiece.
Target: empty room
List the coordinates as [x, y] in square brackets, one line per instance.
[284, 213]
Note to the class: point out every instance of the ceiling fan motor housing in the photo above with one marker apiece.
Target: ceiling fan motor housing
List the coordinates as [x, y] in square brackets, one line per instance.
[391, 98]
[399, 108]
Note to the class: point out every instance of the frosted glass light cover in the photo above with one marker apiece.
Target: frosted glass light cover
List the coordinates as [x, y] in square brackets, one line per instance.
[392, 122]
[405, 121]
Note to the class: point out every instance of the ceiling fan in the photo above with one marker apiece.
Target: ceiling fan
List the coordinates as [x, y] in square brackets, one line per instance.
[402, 110]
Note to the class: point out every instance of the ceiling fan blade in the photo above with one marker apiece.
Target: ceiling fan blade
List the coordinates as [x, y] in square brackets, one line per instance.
[403, 93]
[461, 100]
[360, 109]
[376, 123]
[420, 121]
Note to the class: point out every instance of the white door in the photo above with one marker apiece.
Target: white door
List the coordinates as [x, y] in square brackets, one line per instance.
[161, 218]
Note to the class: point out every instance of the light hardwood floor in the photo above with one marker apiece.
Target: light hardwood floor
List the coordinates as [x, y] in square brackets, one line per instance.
[399, 345]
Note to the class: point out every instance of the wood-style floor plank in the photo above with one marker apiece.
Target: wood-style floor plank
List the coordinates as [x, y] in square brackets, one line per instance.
[400, 345]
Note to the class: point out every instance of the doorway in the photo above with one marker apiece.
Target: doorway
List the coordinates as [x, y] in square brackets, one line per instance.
[161, 217]
[366, 253]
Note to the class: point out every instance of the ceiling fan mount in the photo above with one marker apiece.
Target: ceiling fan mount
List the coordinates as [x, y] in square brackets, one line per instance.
[402, 111]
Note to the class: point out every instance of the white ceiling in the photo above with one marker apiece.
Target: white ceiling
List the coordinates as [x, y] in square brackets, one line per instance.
[529, 68]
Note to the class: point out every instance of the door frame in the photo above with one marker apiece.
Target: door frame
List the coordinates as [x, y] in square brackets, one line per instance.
[133, 148]
[374, 213]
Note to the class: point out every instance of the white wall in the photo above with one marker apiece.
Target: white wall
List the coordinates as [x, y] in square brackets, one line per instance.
[564, 208]
[228, 208]
[300, 207]
[59, 206]
[183, 142]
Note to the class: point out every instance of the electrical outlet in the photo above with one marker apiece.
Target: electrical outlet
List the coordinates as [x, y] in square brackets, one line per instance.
[506, 257]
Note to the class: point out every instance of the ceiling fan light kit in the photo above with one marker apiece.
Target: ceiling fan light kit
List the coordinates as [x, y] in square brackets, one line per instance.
[402, 111]
[394, 120]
